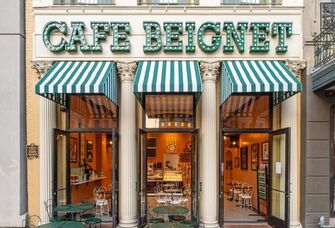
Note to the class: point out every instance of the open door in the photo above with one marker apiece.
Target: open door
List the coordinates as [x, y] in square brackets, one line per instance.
[142, 186]
[279, 192]
[221, 181]
[115, 176]
[195, 177]
[61, 171]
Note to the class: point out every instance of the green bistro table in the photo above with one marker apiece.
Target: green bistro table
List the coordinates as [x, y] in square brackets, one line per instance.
[73, 209]
[170, 210]
[63, 224]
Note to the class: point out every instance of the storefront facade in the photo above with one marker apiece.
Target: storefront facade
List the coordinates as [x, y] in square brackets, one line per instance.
[177, 71]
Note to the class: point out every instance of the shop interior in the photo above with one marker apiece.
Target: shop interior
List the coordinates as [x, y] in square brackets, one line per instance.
[246, 177]
[84, 156]
[169, 172]
[91, 171]
[245, 163]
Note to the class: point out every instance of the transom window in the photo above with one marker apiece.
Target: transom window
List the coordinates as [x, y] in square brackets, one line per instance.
[169, 111]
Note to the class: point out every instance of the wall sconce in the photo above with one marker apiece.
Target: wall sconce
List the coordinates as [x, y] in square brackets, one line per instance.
[234, 141]
[109, 141]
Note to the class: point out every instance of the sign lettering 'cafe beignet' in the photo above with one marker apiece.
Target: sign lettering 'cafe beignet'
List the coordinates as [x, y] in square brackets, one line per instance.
[171, 43]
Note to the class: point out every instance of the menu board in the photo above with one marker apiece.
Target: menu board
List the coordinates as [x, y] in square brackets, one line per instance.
[261, 184]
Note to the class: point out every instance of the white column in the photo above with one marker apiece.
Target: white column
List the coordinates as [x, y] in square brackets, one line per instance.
[128, 153]
[47, 124]
[291, 117]
[208, 146]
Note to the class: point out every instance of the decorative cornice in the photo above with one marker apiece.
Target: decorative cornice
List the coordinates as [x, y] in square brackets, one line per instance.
[126, 71]
[41, 67]
[209, 70]
[296, 66]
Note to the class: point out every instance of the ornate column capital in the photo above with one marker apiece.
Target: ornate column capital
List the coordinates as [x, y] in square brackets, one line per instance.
[209, 70]
[41, 67]
[296, 66]
[126, 71]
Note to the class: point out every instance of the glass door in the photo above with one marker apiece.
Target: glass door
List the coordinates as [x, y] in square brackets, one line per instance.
[115, 176]
[279, 178]
[221, 180]
[142, 186]
[195, 177]
[61, 170]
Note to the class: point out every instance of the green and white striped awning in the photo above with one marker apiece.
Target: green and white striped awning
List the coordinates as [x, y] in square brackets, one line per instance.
[240, 77]
[167, 77]
[95, 78]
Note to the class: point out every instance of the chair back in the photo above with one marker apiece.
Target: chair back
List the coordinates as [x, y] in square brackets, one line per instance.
[31, 221]
[248, 191]
[186, 190]
[110, 187]
[48, 205]
[238, 186]
[99, 193]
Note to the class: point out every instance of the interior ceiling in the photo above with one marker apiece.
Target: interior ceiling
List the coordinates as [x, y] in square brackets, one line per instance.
[169, 105]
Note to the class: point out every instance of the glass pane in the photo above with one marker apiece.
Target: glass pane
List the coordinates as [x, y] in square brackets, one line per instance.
[92, 112]
[278, 204]
[169, 111]
[60, 189]
[278, 176]
[333, 146]
[246, 112]
[115, 199]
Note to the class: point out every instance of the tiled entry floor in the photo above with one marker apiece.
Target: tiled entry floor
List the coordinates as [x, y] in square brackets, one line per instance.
[247, 226]
[232, 213]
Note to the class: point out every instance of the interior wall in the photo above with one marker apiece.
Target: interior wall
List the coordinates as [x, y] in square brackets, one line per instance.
[246, 176]
[102, 162]
[181, 140]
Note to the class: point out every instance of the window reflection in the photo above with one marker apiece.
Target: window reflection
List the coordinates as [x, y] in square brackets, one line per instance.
[91, 112]
[246, 112]
[169, 111]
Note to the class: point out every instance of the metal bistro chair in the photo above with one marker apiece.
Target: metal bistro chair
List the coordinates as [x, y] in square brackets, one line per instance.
[87, 215]
[101, 203]
[31, 221]
[230, 190]
[53, 217]
[161, 198]
[247, 196]
[237, 191]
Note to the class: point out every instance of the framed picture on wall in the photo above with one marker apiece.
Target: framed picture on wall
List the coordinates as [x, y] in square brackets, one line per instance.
[265, 151]
[244, 158]
[89, 150]
[74, 148]
[171, 144]
[254, 152]
[237, 162]
[151, 147]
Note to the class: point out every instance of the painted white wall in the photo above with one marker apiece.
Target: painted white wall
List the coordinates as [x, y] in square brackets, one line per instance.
[42, 3]
[293, 2]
